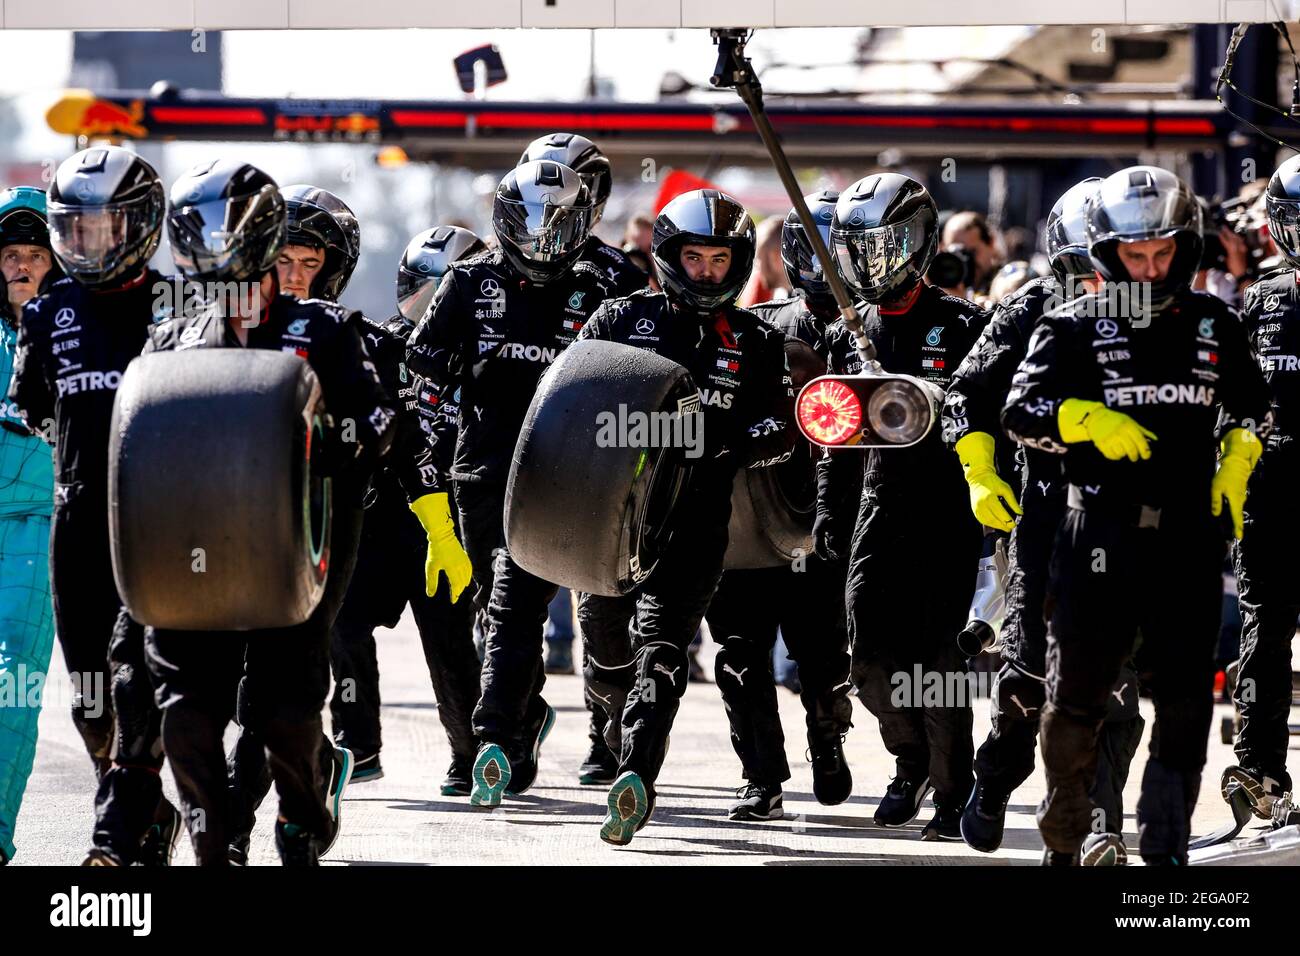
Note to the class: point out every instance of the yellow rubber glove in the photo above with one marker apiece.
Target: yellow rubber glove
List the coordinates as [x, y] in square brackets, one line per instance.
[991, 498]
[1114, 433]
[445, 552]
[1241, 449]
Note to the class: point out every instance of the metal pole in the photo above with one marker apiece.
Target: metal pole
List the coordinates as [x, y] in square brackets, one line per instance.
[734, 69]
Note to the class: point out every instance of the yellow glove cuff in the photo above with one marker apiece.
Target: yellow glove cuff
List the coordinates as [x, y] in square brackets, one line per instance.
[975, 450]
[1242, 443]
[1070, 418]
[434, 512]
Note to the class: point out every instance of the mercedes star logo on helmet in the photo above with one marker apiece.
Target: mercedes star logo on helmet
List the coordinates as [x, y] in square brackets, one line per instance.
[644, 327]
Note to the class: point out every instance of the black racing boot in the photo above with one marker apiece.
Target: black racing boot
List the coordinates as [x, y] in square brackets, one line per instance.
[296, 844]
[631, 802]
[98, 856]
[367, 768]
[1263, 787]
[832, 779]
[901, 802]
[944, 825]
[758, 801]
[159, 842]
[460, 777]
[338, 773]
[984, 817]
[1103, 849]
[601, 766]
[524, 769]
[237, 852]
[1057, 858]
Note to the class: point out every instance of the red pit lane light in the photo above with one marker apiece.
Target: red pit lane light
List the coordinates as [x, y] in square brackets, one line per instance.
[829, 412]
[867, 411]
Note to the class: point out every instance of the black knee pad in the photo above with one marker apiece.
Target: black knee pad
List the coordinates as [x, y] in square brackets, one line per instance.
[740, 665]
[606, 687]
[1122, 704]
[1019, 696]
[662, 672]
[1069, 742]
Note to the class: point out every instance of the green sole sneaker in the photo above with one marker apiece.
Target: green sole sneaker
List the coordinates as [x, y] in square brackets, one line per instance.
[628, 806]
[491, 776]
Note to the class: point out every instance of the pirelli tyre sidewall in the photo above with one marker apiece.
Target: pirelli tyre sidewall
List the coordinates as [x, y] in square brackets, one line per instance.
[219, 518]
[584, 508]
[772, 509]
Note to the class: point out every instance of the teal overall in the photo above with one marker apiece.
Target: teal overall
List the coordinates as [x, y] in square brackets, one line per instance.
[26, 614]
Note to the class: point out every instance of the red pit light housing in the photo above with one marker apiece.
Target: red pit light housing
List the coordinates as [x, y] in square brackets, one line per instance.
[867, 411]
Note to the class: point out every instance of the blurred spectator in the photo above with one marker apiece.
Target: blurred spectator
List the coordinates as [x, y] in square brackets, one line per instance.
[970, 231]
[1017, 244]
[640, 230]
[768, 280]
[645, 264]
[1009, 278]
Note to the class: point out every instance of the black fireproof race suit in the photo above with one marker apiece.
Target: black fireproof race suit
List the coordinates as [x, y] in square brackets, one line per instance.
[1268, 568]
[387, 575]
[805, 600]
[617, 267]
[486, 339]
[974, 404]
[738, 364]
[913, 556]
[273, 682]
[73, 346]
[390, 571]
[1139, 549]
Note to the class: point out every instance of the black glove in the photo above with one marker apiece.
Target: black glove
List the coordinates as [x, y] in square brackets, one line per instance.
[825, 543]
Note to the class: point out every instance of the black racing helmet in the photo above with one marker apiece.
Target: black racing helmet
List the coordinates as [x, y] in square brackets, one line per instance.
[105, 210]
[884, 235]
[704, 217]
[1066, 236]
[22, 217]
[1141, 203]
[427, 258]
[542, 218]
[802, 267]
[316, 217]
[583, 157]
[1282, 199]
[226, 222]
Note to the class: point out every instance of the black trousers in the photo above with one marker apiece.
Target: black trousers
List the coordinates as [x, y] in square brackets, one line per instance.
[806, 602]
[129, 798]
[608, 670]
[910, 582]
[274, 682]
[1111, 580]
[1268, 588]
[113, 705]
[510, 705]
[669, 607]
[300, 752]
[1006, 758]
[389, 575]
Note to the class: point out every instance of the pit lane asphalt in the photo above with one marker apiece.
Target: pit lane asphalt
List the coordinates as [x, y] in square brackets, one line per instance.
[402, 819]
